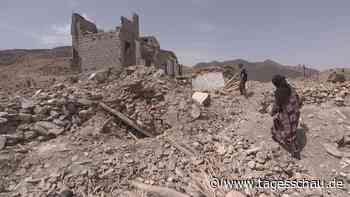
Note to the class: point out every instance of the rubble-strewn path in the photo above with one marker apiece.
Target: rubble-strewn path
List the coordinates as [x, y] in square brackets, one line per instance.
[59, 138]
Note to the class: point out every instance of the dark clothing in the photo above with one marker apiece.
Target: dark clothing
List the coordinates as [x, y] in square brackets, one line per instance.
[286, 114]
[243, 79]
[243, 75]
[242, 89]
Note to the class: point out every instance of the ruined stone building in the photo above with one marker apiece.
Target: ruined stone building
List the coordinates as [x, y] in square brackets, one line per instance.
[94, 49]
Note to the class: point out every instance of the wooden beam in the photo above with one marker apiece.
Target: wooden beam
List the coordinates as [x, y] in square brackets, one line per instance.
[126, 120]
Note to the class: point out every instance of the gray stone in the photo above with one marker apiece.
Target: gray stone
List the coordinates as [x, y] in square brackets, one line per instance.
[3, 114]
[251, 164]
[2, 142]
[83, 114]
[159, 73]
[66, 193]
[253, 150]
[195, 112]
[3, 121]
[47, 128]
[85, 102]
[25, 118]
[28, 135]
[27, 104]
[221, 149]
[13, 139]
[171, 117]
[100, 76]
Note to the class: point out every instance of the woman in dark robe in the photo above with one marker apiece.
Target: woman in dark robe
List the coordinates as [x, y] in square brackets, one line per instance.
[286, 113]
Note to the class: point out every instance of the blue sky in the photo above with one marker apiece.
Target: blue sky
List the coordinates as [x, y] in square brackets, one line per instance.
[312, 32]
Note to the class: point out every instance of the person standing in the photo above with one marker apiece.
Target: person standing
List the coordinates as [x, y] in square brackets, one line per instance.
[243, 79]
[286, 114]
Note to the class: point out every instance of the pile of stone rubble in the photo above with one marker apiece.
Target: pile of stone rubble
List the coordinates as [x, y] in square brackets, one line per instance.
[324, 92]
[61, 139]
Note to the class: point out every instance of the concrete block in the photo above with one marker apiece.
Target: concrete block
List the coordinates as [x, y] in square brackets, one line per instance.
[202, 98]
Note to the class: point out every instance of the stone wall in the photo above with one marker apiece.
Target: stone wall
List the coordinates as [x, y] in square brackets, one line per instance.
[129, 33]
[100, 50]
[93, 50]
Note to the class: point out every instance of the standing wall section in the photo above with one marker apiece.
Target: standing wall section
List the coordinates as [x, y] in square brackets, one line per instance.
[100, 50]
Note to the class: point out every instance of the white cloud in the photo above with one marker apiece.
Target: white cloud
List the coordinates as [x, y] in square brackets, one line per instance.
[56, 35]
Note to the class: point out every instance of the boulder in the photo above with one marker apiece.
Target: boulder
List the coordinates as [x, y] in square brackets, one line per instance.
[47, 128]
[101, 76]
[27, 104]
[201, 98]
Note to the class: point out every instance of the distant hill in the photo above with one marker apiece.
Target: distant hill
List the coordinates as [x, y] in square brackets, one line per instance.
[12, 56]
[258, 71]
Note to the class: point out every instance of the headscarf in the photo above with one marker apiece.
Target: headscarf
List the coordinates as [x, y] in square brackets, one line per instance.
[283, 90]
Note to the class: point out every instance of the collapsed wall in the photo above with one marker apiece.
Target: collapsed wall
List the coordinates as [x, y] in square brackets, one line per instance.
[93, 50]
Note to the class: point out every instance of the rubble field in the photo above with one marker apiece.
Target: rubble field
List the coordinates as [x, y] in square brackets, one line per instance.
[137, 133]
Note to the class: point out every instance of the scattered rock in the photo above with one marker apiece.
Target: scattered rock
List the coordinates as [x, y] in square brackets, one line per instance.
[66, 193]
[47, 128]
[27, 104]
[101, 76]
[333, 150]
[3, 121]
[25, 118]
[195, 112]
[221, 149]
[85, 102]
[2, 142]
[339, 101]
[251, 164]
[253, 150]
[310, 116]
[159, 73]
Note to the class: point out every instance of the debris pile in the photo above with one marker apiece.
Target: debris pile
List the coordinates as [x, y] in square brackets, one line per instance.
[133, 133]
[320, 93]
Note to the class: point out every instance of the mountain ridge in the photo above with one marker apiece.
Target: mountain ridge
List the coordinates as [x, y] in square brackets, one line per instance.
[259, 71]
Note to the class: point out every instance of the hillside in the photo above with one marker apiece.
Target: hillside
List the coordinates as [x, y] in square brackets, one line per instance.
[258, 71]
[12, 56]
